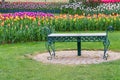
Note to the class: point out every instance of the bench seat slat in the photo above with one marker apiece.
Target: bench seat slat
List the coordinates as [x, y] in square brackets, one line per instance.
[73, 37]
[76, 34]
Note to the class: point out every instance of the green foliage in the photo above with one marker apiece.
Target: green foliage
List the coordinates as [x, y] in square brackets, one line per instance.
[71, 11]
[72, 1]
[91, 3]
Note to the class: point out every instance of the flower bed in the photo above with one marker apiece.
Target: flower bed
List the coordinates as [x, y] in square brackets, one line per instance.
[28, 26]
[25, 14]
[80, 8]
[85, 23]
[23, 27]
[30, 6]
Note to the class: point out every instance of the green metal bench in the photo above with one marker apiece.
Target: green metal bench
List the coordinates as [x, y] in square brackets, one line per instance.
[78, 37]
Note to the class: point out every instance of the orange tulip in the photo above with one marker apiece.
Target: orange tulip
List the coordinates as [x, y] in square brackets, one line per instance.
[2, 24]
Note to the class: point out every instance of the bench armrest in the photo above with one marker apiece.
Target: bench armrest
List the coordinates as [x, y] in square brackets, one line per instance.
[110, 29]
[47, 30]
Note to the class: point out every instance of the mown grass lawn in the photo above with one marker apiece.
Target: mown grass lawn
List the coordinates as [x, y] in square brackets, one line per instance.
[15, 66]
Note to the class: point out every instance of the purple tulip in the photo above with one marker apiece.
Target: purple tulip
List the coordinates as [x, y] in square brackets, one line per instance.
[30, 14]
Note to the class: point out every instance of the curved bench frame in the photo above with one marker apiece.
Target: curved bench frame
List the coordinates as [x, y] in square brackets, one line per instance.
[81, 37]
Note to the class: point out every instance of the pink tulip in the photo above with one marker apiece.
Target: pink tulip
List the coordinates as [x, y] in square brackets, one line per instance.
[110, 1]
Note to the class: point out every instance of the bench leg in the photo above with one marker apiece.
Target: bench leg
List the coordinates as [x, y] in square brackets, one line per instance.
[106, 45]
[51, 49]
[79, 48]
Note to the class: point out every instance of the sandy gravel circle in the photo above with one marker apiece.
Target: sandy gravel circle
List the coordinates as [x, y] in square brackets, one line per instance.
[70, 57]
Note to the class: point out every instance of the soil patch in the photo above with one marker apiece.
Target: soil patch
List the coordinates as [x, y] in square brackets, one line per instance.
[70, 57]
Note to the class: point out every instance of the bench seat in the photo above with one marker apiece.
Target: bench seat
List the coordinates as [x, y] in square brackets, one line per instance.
[75, 37]
[75, 34]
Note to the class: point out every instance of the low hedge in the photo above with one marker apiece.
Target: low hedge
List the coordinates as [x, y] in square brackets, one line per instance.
[48, 7]
[56, 11]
